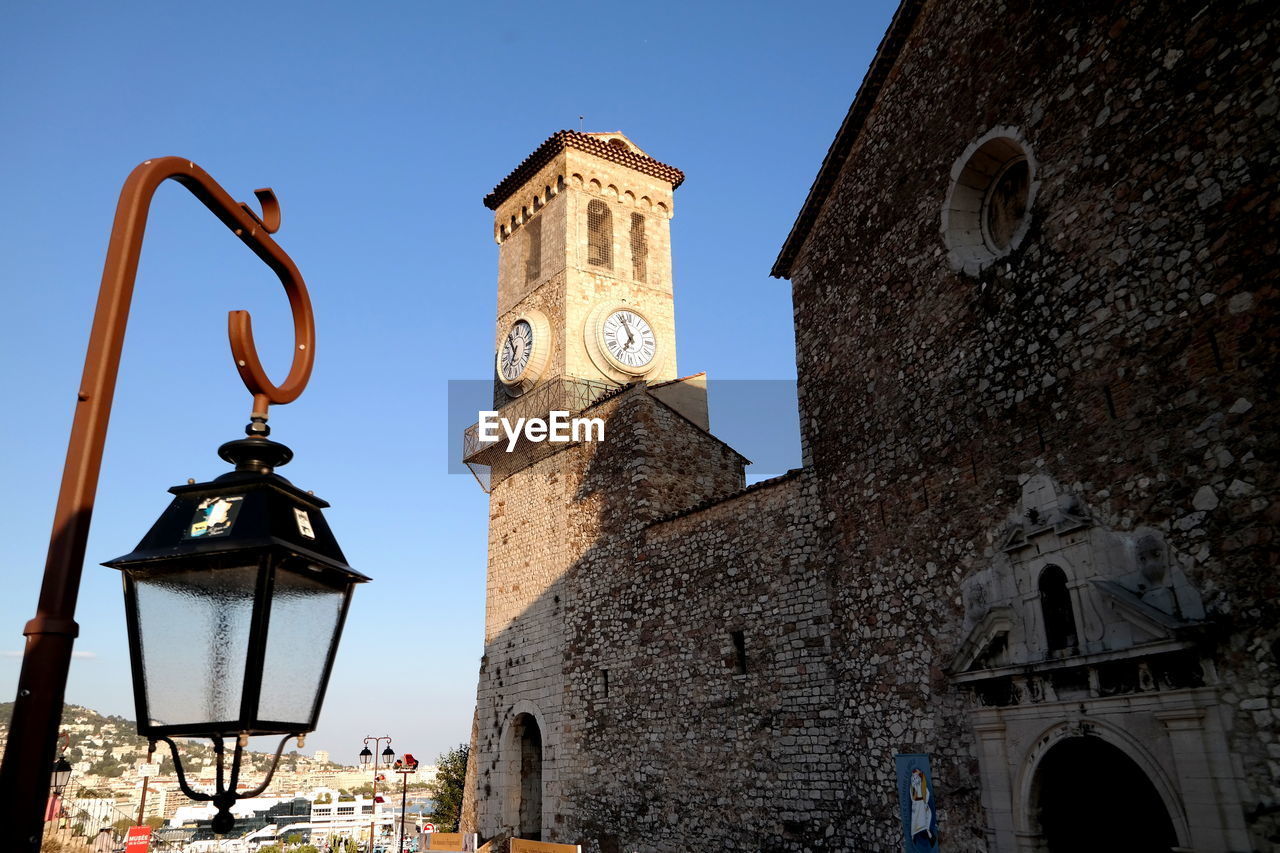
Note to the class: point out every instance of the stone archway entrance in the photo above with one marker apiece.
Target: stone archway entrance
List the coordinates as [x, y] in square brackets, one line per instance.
[528, 738]
[1089, 795]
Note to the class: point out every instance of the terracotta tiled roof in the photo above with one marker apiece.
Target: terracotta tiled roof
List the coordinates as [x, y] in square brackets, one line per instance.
[886, 56]
[590, 143]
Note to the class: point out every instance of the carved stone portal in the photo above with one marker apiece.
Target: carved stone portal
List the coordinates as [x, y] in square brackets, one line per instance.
[1081, 640]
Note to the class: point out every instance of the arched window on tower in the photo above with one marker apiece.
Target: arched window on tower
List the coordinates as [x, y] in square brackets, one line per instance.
[1055, 607]
[599, 234]
[533, 250]
[639, 248]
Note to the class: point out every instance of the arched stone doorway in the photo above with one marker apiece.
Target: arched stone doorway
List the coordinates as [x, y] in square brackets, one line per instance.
[528, 740]
[1089, 795]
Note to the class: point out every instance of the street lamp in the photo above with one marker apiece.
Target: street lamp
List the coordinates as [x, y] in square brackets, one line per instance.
[60, 776]
[367, 757]
[235, 602]
[404, 768]
[286, 580]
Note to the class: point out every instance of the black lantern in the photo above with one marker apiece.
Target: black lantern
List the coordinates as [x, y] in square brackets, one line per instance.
[61, 775]
[365, 757]
[388, 755]
[235, 602]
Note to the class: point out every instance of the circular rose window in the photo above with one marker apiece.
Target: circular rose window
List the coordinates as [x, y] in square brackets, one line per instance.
[987, 211]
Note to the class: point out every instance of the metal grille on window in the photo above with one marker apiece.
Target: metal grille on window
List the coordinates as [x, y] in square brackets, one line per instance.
[599, 235]
[533, 250]
[639, 248]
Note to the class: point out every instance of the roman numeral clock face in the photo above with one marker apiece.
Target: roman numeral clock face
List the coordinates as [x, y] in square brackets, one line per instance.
[516, 351]
[523, 351]
[629, 340]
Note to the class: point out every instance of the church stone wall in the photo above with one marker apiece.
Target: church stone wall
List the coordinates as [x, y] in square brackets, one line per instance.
[700, 679]
[1126, 348]
[548, 523]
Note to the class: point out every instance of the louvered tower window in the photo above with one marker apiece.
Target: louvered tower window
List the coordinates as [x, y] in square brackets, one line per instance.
[599, 235]
[533, 251]
[639, 248]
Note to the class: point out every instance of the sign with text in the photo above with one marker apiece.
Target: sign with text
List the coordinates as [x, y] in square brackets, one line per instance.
[138, 840]
[446, 841]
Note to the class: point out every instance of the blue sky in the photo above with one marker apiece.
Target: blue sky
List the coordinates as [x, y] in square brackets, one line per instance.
[380, 126]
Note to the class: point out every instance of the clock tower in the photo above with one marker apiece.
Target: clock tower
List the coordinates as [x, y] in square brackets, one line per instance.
[584, 311]
[584, 265]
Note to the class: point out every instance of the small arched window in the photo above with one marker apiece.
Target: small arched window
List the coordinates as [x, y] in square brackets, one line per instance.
[1055, 607]
[599, 234]
[639, 248]
[533, 250]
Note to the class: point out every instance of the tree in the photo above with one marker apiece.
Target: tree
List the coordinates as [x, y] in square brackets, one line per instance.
[449, 784]
[122, 825]
[155, 821]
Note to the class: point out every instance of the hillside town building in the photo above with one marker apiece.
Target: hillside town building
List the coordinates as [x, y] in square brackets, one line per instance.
[1022, 594]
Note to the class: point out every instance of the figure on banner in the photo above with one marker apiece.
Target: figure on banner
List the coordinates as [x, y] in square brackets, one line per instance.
[918, 804]
[921, 808]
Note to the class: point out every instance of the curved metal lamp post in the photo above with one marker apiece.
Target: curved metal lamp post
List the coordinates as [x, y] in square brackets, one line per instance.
[370, 756]
[50, 635]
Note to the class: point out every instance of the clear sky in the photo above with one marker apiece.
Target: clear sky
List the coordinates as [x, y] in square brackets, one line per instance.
[380, 126]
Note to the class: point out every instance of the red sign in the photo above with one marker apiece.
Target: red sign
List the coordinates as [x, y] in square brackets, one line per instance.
[430, 827]
[138, 840]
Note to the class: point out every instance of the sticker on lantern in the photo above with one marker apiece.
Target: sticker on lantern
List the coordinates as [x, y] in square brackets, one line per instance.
[214, 517]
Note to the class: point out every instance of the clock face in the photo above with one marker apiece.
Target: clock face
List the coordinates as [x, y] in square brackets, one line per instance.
[629, 339]
[516, 351]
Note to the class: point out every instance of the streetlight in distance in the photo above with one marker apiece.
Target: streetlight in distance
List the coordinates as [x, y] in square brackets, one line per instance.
[404, 768]
[367, 757]
[60, 776]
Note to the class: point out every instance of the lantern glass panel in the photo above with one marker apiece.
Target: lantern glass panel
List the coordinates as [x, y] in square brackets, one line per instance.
[304, 623]
[193, 628]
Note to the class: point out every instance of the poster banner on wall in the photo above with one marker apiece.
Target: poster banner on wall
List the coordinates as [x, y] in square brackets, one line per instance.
[917, 803]
[138, 840]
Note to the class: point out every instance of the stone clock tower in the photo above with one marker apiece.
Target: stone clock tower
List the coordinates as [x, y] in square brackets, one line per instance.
[585, 324]
[584, 264]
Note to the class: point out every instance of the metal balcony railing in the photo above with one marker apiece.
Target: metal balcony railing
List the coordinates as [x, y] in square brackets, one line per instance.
[555, 395]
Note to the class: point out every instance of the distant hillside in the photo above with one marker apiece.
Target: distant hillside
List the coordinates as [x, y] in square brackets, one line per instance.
[109, 746]
[74, 714]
